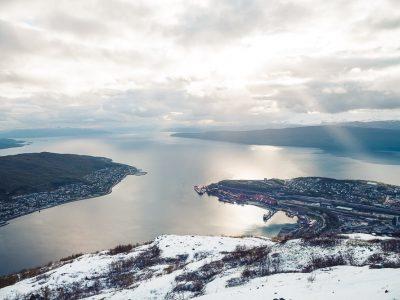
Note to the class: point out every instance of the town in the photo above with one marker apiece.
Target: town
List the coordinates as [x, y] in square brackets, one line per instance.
[321, 205]
[97, 183]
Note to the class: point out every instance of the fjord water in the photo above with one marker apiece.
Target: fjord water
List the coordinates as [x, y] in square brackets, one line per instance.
[163, 201]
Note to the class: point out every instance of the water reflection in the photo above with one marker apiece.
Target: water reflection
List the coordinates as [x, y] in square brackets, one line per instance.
[163, 201]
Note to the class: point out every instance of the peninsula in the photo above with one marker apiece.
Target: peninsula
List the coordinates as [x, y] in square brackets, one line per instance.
[322, 205]
[34, 181]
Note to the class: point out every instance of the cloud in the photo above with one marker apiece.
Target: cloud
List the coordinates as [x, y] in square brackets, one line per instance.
[387, 24]
[220, 23]
[120, 62]
[352, 96]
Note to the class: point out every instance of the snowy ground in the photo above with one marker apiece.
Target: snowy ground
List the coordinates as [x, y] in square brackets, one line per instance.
[344, 282]
[181, 267]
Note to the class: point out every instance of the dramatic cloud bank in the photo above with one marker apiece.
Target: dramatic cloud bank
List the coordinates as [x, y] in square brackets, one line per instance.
[172, 63]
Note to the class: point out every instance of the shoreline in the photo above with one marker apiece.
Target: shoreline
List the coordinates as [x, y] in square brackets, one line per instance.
[317, 211]
[109, 191]
[273, 211]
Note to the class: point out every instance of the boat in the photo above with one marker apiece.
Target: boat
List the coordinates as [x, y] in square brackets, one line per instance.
[140, 172]
[199, 189]
[268, 215]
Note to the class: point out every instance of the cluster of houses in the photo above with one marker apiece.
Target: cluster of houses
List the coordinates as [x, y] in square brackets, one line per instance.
[95, 184]
[234, 196]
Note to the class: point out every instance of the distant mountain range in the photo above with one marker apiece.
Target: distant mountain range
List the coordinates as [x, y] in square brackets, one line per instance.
[392, 124]
[356, 137]
[49, 132]
[10, 143]
[388, 124]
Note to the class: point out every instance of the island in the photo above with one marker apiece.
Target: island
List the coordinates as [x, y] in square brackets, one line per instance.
[34, 181]
[322, 205]
[10, 143]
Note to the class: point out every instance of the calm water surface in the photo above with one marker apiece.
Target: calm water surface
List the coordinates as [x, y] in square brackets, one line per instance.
[163, 201]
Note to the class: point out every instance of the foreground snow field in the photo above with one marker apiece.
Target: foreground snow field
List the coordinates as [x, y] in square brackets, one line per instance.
[181, 267]
[344, 282]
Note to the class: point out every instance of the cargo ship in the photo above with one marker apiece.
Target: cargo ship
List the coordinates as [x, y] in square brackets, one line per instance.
[200, 189]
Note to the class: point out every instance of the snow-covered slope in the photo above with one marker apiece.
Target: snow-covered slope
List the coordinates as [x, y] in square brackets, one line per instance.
[343, 282]
[181, 267]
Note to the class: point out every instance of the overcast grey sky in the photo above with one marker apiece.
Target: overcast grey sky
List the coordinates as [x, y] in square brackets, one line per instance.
[170, 63]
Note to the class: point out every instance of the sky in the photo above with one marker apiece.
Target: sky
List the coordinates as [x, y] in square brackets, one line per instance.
[116, 63]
